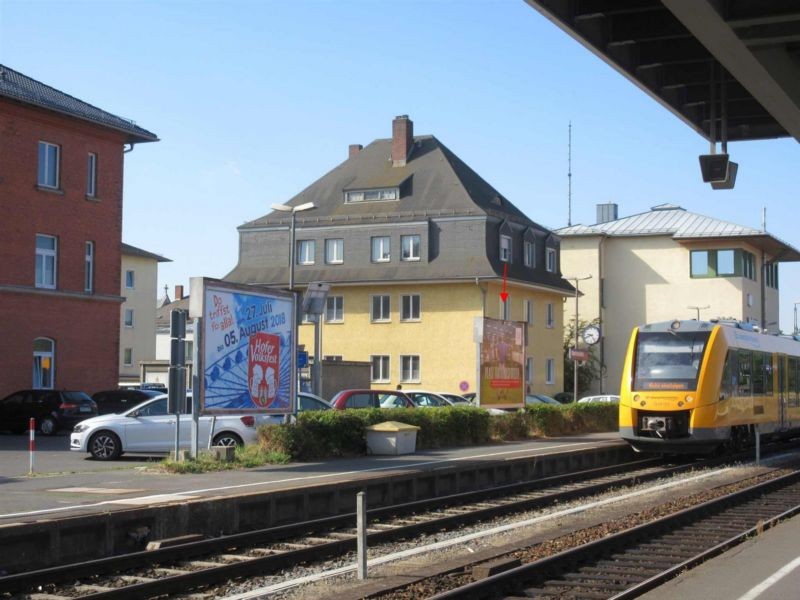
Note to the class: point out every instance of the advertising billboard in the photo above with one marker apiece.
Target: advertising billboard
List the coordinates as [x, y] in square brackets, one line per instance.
[502, 369]
[248, 348]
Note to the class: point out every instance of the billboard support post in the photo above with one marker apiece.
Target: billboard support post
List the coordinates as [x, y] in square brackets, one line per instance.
[197, 368]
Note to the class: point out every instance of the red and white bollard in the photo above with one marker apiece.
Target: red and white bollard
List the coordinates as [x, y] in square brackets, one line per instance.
[32, 442]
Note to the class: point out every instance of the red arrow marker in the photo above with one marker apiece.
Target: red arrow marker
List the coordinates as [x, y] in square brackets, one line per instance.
[504, 294]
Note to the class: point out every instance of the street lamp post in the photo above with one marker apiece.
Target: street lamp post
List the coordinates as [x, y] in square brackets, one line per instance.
[699, 308]
[294, 210]
[577, 327]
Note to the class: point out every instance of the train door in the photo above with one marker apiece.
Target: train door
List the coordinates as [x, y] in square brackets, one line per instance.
[782, 396]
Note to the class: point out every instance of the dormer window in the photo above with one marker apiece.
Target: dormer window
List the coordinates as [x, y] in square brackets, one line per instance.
[372, 195]
[505, 248]
[552, 266]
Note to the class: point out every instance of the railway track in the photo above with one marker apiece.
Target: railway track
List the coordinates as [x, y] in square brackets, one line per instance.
[208, 562]
[634, 561]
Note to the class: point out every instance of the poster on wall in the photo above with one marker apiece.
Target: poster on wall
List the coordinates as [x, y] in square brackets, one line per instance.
[502, 364]
[247, 348]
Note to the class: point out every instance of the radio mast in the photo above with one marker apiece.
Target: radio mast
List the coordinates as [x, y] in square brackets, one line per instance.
[569, 177]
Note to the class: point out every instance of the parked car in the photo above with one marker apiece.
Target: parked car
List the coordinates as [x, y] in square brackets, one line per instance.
[117, 401]
[427, 399]
[470, 396]
[371, 399]
[308, 401]
[149, 428]
[53, 410]
[455, 399]
[533, 399]
[564, 397]
[607, 398]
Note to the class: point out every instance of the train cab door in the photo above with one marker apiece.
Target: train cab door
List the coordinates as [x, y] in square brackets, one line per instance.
[782, 395]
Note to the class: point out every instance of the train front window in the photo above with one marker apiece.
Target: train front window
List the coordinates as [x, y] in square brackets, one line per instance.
[668, 360]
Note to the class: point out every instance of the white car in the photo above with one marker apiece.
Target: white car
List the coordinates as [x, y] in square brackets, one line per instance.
[607, 398]
[149, 428]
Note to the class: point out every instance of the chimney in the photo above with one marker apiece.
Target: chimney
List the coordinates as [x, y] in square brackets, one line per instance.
[606, 212]
[402, 140]
[355, 149]
[178, 292]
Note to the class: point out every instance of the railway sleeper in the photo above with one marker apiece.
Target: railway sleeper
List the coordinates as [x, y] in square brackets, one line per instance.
[584, 585]
[235, 557]
[88, 588]
[590, 577]
[134, 579]
[617, 571]
[626, 562]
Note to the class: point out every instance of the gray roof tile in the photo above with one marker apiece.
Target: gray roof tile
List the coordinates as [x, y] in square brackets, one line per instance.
[22, 88]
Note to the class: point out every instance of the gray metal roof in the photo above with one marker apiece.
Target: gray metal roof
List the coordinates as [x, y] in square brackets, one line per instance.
[22, 88]
[129, 250]
[680, 224]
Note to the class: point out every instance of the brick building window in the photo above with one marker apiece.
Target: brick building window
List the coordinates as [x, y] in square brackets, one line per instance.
[46, 261]
[88, 278]
[49, 155]
[44, 354]
[91, 175]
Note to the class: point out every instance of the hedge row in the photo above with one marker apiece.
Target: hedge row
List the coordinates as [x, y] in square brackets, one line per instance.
[322, 434]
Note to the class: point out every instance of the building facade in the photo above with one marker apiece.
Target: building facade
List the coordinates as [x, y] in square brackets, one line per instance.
[669, 263]
[137, 323]
[415, 246]
[61, 170]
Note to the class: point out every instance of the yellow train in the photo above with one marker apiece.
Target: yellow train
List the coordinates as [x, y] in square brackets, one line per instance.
[695, 387]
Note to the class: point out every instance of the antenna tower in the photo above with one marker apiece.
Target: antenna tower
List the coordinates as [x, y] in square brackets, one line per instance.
[569, 177]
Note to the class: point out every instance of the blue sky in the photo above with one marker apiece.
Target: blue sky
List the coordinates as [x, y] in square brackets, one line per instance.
[255, 100]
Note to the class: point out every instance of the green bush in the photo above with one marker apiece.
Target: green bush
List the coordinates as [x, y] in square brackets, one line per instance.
[323, 434]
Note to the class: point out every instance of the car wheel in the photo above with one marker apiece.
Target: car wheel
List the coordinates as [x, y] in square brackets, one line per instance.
[105, 445]
[48, 426]
[228, 439]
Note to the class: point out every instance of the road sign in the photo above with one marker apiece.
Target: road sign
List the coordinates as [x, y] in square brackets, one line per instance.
[302, 359]
[579, 354]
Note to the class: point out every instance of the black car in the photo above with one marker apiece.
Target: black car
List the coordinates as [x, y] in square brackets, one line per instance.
[117, 401]
[53, 410]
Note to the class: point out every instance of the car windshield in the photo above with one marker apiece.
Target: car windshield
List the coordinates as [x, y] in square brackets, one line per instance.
[391, 401]
[150, 408]
[76, 397]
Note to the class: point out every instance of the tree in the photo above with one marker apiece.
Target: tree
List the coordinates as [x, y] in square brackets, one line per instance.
[588, 371]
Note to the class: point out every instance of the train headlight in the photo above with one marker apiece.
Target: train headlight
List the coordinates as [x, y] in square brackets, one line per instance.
[636, 398]
[689, 398]
[675, 325]
[680, 404]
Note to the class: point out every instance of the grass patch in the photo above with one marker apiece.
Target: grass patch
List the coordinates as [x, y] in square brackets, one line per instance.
[244, 458]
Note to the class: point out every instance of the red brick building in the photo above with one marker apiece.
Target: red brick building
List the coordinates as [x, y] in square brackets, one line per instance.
[61, 168]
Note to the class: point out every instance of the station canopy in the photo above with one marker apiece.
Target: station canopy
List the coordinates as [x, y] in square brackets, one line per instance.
[670, 48]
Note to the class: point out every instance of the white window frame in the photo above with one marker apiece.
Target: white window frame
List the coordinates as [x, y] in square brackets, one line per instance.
[45, 168]
[129, 322]
[505, 308]
[386, 306]
[334, 251]
[407, 368]
[549, 316]
[88, 278]
[130, 280]
[45, 256]
[38, 356]
[127, 357]
[550, 371]
[337, 308]
[306, 251]
[505, 248]
[406, 317]
[528, 304]
[381, 248]
[385, 368]
[408, 252]
[529, 254]
[91, 175]
[529, 370]
[551, 260]
[376, 195]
